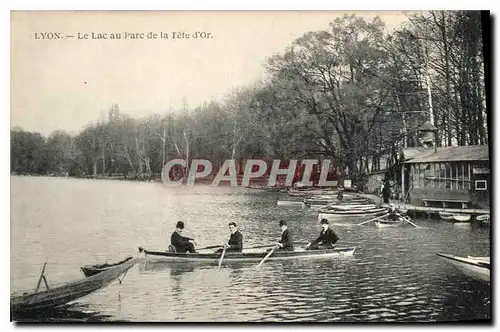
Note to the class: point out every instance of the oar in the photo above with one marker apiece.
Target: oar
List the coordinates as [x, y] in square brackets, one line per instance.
[221, 257]
[408, 220]
[267, 256]
[263, 246]
[210, 247]
[377, 218]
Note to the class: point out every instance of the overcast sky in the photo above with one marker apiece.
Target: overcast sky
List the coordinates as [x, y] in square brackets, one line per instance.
[65, 84]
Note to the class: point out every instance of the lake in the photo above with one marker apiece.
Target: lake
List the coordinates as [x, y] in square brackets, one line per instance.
[394, 275]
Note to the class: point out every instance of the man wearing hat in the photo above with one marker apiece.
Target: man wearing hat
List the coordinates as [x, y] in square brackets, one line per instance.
[181, 243]
[235, 242]
[326, 240]
[286, 242]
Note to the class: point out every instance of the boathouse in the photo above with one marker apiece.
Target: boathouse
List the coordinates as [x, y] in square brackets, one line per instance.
[450, 177]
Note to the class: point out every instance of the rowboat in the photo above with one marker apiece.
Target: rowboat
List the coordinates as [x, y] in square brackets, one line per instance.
[325, 214]
[475, 267]
[90, 270]
[484, 219]
[62, 294]
[445, 215]
[290, 203]
[245, 256]
[461, 217]
[349, 207]
[389, 223]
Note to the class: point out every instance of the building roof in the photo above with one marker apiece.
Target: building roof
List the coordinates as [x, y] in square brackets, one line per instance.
[451, 153]
[410, 153]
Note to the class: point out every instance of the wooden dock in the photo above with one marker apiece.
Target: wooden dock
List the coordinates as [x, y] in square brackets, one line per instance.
[428, 209]
[425, 209]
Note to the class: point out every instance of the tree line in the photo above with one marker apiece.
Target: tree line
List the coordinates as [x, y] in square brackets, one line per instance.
[353, 93]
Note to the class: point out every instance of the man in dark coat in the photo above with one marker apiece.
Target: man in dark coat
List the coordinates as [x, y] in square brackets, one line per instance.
[286, 242]
[235, 242]
[326, 240]
[386, 191]
[181, 243]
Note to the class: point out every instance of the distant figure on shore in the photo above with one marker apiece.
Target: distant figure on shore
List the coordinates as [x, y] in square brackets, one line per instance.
[235, 242]
[340, 193]
[181, 243]
[326, 240]
[386, 190]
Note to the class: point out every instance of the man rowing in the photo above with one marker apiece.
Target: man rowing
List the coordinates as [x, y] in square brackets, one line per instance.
[235, 242]
[326, 240]
[181, 243]
[394, 214]
[286, 241]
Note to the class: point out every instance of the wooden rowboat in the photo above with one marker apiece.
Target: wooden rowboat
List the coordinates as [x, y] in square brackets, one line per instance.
[475, 267]
[388, 223]
[445, 215]
[245, 256]
[298, 203]
[326, 214]
[90, 270]
[62, 294]
[461, 217]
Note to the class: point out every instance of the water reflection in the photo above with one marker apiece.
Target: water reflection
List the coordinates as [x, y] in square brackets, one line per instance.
[69, 313]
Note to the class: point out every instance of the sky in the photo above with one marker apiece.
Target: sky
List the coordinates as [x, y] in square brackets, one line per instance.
[64, 84]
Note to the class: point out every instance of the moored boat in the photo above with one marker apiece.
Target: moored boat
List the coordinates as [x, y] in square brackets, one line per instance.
[332, 214]
[461, 217]
[446, 215]
[90, 270]
[475, 267]
[483, 219]
[388, 223]
[246, 256]
[298, 203]
[62, 294]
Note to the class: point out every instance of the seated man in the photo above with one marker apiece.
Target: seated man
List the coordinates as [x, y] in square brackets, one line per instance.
[286, 241]
[235, 242]
[326, 240]
[181, 243]
[394, 215]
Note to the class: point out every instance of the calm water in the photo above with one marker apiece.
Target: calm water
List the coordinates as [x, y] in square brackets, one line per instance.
[393, 276]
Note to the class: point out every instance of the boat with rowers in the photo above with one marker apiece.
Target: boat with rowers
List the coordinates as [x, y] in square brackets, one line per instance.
[246, 255]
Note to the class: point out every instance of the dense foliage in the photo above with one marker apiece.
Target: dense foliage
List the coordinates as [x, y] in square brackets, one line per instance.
[351, 93]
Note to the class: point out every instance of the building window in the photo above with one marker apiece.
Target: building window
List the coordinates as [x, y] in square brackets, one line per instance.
[481, 185]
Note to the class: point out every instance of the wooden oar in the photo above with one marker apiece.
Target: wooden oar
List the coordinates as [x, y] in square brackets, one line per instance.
[221, 257]
[408, 221]
[210, 247]
[377, 218]
[267, 256]
[262, 246]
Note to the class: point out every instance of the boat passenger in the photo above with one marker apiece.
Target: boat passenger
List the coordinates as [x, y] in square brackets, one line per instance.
[286, 242]
[326, 240]
[394, 214]
[181, 243]
[235, 242]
